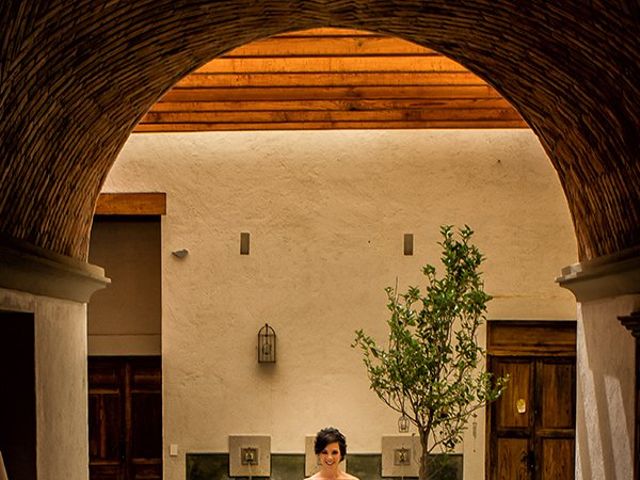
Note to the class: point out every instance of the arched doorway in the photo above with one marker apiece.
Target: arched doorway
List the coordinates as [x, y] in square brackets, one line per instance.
[311, 201]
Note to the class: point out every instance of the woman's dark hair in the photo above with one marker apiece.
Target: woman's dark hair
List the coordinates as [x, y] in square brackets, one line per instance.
[330, 435]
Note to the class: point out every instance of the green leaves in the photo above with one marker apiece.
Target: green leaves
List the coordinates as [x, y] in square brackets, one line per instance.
[431, 369]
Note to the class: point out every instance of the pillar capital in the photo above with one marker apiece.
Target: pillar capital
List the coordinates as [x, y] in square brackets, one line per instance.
[603, 277]
[28, 268]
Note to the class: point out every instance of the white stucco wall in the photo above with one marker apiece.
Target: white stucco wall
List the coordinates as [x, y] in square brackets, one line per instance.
[61, 383]
[327, 212]
[605, 389]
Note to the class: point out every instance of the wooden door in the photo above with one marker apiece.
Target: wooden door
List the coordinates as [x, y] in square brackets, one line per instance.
[125, 418]
[531, 428]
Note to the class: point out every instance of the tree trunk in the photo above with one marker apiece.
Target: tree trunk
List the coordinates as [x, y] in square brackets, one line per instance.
[424, 456]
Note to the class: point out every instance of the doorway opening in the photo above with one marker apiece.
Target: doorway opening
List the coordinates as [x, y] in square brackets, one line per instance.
[124, 340]
[18, 400]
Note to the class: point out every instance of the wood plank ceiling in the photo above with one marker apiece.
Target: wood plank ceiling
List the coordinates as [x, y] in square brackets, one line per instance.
[330, 79]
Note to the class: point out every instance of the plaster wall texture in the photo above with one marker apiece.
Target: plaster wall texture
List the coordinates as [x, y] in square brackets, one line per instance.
[327, 211]
[605, 389]
[61, 383]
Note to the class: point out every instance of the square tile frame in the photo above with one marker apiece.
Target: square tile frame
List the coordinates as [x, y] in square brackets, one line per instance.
[391, 443]
[260, 442]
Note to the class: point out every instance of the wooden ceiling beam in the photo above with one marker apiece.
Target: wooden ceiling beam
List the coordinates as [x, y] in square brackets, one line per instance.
[441, 124]
[333, 46]
[315, 79]
[332, 116]
[332, 93]
[331, 105]
[322, 64]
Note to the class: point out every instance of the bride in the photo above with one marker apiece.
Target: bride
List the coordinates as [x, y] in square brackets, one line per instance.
[331, 447]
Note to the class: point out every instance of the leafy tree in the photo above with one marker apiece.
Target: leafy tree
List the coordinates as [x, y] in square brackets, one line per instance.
[432, 369]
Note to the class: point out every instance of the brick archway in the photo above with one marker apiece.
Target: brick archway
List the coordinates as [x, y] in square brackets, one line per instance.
[76, 77]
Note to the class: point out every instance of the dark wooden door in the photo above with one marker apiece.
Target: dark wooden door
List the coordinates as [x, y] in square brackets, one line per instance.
[531, 428]
[125, 418]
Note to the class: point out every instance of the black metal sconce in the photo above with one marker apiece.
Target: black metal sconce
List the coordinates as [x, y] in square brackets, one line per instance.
[266, 345]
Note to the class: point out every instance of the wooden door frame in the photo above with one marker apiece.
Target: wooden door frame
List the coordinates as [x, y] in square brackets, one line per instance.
[535, 344]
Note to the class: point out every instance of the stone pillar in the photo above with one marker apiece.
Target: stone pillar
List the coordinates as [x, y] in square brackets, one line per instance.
[605, 288]
[55, 290]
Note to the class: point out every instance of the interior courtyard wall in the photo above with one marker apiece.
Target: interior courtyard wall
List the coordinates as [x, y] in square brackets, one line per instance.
[61, 383]
[327, 211]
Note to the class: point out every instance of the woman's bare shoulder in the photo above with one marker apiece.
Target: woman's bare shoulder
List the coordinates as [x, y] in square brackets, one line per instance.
[343, 476]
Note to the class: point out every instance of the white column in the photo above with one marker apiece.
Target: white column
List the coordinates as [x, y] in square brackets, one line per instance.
[605, 288]
[55, 290]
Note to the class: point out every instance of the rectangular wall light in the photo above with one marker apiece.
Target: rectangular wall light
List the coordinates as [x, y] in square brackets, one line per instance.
[408, 243]
[245, 240]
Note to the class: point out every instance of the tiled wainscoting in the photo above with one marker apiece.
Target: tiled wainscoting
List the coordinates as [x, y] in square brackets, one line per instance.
[215, 466]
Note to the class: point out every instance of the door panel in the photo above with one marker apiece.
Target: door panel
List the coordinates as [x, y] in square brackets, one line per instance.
[512, 420]
[104, 428]
[146, 434]
[125, 418]
[106, 417]
[512, 459]
[513, 410]
[557, 459]
[146, 470]
[146, 406]
[557, 383]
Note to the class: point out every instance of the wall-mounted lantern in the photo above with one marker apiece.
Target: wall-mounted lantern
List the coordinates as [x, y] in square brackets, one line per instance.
[266, 345]
[403, 424]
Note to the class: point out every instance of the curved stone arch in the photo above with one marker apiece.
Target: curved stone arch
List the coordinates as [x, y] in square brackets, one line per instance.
[76, 79]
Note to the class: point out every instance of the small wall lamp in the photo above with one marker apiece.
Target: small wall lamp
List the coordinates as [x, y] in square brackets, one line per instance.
[403, 424]
[180, 253]
[266, 345]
